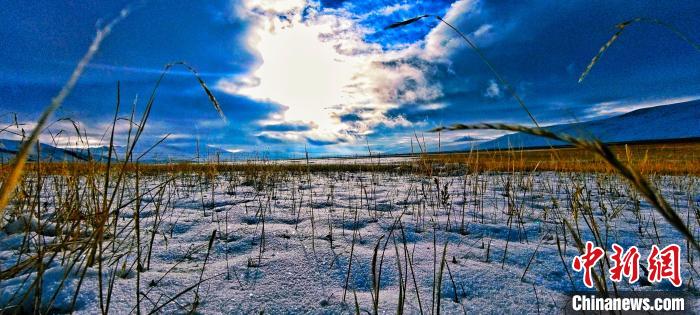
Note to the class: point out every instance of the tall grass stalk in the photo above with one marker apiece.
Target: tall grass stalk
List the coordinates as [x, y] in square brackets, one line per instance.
[638, 181]
[621, 27]
[481, 55]
[10, 182]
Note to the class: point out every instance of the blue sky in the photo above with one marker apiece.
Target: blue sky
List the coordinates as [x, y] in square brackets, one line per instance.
[325, 77]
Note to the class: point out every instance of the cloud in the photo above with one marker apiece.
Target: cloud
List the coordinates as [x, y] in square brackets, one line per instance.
[291, 126]
[279, 137]
[321, 142]
[210, 123]
[325, 73]
[389, 10]
[270, 138]
[493, 90]
[432, 106]
[77, 134]
[332, 3]
[348, 118]
[225, 148]
[441, 42]
[318, 66]
[482, 31]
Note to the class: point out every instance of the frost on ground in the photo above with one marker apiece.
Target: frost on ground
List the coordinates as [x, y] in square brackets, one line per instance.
[298, 242]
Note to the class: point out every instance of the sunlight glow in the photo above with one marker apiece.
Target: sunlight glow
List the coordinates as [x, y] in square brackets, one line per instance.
[318, 67]
[302, 72]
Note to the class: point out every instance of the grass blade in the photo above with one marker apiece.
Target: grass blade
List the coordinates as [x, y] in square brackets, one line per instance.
[640, 182]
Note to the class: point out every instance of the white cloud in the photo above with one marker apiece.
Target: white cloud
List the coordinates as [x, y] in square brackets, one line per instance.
[281, 136]
[177, 136]
[394, 8]
[226, 148]
[493, 90]
[270, 6]
[483, 30]
[317, 65]
[63, 133]
[210, 123]
[432, 106]
[441, 40]
[78, 134]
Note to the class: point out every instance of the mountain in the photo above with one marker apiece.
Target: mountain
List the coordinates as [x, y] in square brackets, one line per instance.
[162, 152]
[8, 149]
[666, 122]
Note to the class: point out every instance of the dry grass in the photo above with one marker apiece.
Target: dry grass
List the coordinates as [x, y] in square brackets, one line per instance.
[670, 158]
[625, 169]
[87, 228]
[662, 158]
[429, 205]
[78, 168]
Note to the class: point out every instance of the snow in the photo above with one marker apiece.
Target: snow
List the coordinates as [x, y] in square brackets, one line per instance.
[299, 271]
[675, 121]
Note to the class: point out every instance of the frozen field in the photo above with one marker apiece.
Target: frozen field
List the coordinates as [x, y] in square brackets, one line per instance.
[297, 242]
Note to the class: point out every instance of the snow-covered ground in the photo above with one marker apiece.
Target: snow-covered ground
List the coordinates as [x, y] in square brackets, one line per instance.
[283, 243]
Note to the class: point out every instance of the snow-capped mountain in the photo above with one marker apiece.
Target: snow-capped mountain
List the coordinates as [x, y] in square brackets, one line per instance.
[162, 152]
[8, 149]
[666, 122]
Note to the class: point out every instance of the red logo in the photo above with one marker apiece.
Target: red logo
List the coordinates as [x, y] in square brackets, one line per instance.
[662, 263]
[586, 262]
[625, 264]
[665, 264]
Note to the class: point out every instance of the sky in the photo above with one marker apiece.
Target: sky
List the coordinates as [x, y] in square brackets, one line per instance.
[327, 78]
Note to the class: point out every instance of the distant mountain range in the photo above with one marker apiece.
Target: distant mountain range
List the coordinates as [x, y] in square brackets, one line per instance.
[666, 122]
[163, 152]
[8, 149]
